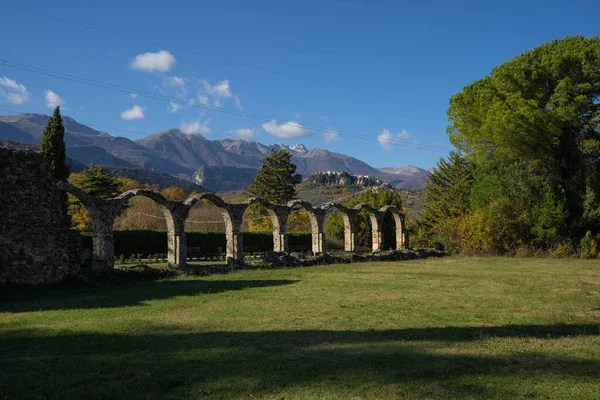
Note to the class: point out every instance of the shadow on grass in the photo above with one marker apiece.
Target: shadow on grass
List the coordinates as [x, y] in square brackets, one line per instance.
[109, 295]
[336, 364]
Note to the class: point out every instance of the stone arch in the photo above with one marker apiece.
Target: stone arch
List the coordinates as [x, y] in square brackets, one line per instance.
[232, 216]
[317, 218]
[102, 213]
[376, 219]
[175, 213]
[213, 198]
[279, 216]
[349, 216]
[399, 220]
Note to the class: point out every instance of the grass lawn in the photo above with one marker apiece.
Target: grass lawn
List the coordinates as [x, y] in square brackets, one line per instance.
[436, 328]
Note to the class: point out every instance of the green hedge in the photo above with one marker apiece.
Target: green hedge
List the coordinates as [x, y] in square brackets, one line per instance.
[128, 243]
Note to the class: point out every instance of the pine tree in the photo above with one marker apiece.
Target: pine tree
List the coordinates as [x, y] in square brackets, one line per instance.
[53, 146]
[276, 179]
[95, 181]
[448, 189]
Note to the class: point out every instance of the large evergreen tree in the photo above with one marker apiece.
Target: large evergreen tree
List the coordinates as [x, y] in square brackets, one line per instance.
[95, 181]
[540, 110]
[53, 146]
[448, 190]
[276, 179]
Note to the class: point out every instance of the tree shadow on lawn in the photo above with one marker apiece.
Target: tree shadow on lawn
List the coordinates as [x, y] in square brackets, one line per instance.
[340, 364]
[109, 295]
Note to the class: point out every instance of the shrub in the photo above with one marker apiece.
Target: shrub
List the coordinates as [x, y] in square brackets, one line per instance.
[588, 247]
[562, 250]
[525, 251]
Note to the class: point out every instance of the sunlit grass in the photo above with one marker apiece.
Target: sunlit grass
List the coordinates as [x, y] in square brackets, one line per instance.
[437, 328]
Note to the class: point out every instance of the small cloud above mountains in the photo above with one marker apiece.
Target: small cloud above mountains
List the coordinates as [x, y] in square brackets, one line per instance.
[53, 100]
[243, 133]
[136, 112]
[286, 130]
[387, 139]
[161, 61]
[195, 128]
[14, 92]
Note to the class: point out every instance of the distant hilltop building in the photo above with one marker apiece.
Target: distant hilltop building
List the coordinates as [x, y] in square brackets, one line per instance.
[345, 179]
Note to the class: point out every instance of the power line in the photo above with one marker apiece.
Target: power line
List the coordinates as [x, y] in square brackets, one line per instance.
[228, 111]
[224, 60]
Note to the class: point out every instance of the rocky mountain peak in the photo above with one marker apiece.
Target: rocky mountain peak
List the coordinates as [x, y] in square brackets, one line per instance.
[299, 148]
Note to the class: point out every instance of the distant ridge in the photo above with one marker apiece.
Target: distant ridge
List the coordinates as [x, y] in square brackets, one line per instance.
[226, 164]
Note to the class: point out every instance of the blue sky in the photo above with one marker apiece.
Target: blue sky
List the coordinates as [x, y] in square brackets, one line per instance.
[375, 68]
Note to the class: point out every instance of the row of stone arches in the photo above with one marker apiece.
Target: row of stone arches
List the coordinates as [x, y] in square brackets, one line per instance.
[103, 212]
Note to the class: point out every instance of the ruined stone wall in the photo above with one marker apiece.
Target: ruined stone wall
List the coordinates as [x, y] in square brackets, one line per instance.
[36, 244]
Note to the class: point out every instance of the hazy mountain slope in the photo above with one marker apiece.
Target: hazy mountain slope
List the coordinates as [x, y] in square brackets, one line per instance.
[154, 178]
[76, 134]
[10, 132]
[95, 155]
[192, 151]
[224, 179]
[182, 155]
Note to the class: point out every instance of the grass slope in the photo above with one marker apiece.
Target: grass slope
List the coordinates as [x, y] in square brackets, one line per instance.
[438, 328]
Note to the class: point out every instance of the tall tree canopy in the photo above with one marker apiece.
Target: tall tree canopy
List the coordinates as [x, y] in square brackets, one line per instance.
[541, 109]
[276, 179]
[528, 140]
[53, 146]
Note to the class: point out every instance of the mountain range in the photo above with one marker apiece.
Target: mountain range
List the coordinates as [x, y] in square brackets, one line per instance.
[218, 165]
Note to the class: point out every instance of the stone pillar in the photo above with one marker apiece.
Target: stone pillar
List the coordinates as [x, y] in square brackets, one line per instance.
[233, 215]
[317, 223]
[401, 235]
[102, 213]
[349, 216]
[279, 216]
[176, 213]
[399, 238]
[376, 218]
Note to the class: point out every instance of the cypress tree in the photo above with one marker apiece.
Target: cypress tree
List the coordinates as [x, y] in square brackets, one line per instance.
[53, 146]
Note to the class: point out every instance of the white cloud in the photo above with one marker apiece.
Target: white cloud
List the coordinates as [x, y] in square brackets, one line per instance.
[174, 81]
[196, 127]
[221, 89]
[203, 99]
[386, 139]
[136, 112]
[174, 107]
[153, 62]
[17, 92]
[287, 130]
[243, 133]
[133, 95]
[238, 104]
[217, 94]
[14, 85]
[331, 135]
[53, 100]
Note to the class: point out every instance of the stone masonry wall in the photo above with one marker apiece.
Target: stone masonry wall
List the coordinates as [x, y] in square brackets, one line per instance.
[36, 244]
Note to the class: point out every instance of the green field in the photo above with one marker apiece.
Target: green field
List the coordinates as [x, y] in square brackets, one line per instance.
[436, 328]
